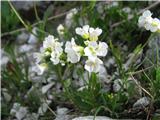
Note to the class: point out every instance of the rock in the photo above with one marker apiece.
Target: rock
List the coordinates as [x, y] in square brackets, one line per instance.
[15, 108]
[21, 113]
[50, 96]
[25, 48]
[63, 117]
[117, 85]
[141, 103]
[4, 58]
[69, 17]
[47, 87]
[62, 111]
[100, 8]
[43, 108]
[103, 75]
[78, 80]
[32, 116]
[22, 38]
[6, 95]
[110, 62]
[112, 4]
[53, 77]
[75, 71]
[131, 85]
[127, 9]
[32, 38]
[24, 5]
[154, 41]
[83, 87]
[92, 118]
[62, 114]
[105, 79]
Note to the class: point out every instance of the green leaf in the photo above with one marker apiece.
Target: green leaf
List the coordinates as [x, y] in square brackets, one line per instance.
[158, 74]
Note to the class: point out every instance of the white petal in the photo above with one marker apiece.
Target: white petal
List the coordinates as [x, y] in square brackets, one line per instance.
[41, 68]
[102, 49]
[91, 30]
[147, 13]
[93, 65]
[73, 57]
[79, 31]
[86, 28]
[54, 58]
[98, 31]
[73, 51]
[147, 26]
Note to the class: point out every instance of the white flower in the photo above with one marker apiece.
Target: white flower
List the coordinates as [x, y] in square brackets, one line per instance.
[102, 49]
[56, 53]
[60, 29]
[94, 33]
[149, 23]
[55, 57]
[88, 32]
[93, 65]
[145, 18]
[155, 25]
[73, 51]
[52, 47]
[41, 68]
[49, 42]
[90, 50]
[84, 31]
[93, 49]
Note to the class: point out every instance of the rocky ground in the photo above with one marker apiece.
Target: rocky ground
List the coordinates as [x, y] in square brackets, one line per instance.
[48, 92]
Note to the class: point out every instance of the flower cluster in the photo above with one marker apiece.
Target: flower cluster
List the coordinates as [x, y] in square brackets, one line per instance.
[93, 49]
[52, 50]
[149, 23]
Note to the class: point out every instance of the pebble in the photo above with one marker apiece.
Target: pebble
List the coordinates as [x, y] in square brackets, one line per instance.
[141, 103]
[47, 87]
[32, 38]
[22, 38]
[92, 118]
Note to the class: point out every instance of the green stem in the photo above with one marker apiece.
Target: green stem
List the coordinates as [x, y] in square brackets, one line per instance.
[36, 13]
[59, 73]
[19, 17]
